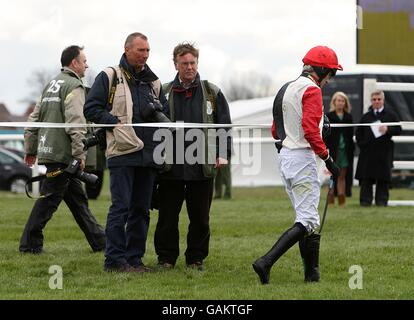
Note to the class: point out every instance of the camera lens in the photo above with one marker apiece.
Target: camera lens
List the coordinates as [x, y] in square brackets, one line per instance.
[90, 142]
[97, 138]
[88, 178]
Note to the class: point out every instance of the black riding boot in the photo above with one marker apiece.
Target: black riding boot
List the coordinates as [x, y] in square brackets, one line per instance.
[309, 250]
[263, 265]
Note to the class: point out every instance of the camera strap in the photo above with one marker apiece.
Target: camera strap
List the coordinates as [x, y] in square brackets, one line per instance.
[48, 175]
[112, 89]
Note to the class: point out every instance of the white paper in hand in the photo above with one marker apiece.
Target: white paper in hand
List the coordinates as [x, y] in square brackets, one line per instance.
[375, 130]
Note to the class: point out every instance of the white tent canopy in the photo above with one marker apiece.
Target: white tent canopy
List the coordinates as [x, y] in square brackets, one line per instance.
[255, 111]
[255, 159]
[254, 162]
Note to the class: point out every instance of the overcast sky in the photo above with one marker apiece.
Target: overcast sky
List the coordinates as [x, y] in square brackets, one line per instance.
[234, 36]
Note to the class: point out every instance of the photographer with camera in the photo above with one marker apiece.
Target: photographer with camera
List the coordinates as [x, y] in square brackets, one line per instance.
[61, 151]
[151, 112]
[135, 96]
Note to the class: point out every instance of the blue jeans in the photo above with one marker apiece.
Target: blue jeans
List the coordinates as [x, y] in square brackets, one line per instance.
[128, 218]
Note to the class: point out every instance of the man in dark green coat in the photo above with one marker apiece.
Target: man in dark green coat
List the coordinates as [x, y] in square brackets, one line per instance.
[191, 179]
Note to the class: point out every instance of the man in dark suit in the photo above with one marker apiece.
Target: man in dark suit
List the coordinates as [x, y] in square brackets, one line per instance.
[376, 152]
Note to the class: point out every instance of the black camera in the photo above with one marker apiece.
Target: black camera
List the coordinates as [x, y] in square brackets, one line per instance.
[98, 137]
[73, 169]
[152, 112]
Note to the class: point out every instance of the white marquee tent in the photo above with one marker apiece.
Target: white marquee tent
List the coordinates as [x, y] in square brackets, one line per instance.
[255, 160]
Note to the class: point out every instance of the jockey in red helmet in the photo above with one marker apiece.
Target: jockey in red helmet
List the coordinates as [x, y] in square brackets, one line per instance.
[323, 60]
[297, 122]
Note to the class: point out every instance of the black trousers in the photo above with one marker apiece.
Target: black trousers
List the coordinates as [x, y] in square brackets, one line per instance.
[69, 189]
[381, 192]
[198, 195]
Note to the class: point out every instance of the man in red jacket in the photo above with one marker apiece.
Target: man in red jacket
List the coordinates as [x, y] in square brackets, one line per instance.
[297, 122]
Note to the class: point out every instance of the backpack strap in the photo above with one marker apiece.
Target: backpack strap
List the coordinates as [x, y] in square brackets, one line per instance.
[112, 88]
[209, 116]
[167, 89]
[211, 95]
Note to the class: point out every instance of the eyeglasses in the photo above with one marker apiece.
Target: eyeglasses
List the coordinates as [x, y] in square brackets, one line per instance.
[376, 99]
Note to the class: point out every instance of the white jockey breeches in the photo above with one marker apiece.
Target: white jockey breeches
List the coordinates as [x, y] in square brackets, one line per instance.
[300, 176]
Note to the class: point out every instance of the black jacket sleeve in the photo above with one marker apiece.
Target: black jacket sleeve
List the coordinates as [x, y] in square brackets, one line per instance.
[364, 135]
[96, 109]
[393, 130]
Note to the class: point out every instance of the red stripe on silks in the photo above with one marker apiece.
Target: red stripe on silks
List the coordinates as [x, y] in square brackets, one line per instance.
[274, 134]
[312, 112]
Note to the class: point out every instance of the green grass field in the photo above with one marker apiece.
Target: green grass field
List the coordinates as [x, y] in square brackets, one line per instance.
[379, 240]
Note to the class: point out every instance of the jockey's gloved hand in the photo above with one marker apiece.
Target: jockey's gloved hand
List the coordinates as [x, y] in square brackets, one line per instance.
[332, 167]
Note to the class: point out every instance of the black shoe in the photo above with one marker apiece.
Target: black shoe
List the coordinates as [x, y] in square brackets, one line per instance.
[118, 268]
[34, 251]
[197, 265]
[314, 277]
[365, 204]
[38, 251]
[140, 269]
[262, 271]
[381, 204]
[165, 265]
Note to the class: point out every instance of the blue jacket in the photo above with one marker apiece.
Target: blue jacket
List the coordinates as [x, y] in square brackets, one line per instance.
[96, 111]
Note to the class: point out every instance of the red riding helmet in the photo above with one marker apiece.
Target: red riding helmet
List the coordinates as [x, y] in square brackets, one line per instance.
[321, 56]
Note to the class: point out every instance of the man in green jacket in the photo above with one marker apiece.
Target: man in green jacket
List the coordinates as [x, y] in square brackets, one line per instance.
[190, 176]
[62, 101]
